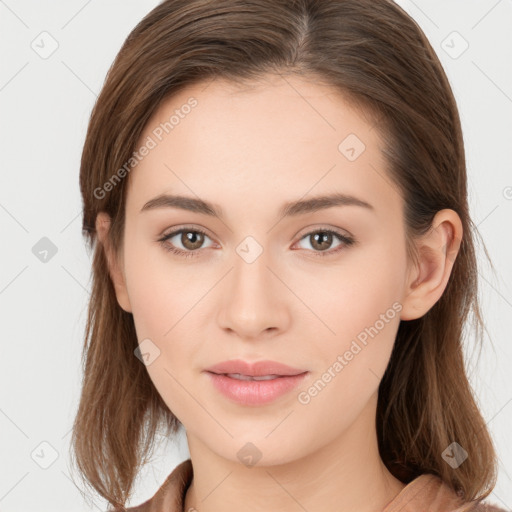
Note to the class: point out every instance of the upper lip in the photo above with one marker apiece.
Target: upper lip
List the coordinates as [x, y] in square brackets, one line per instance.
[256, 369]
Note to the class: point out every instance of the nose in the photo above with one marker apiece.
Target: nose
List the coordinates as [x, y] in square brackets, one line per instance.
[254, 302]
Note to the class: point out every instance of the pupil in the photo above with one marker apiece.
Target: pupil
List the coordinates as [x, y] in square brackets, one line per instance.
[193, 238]
[324, 237]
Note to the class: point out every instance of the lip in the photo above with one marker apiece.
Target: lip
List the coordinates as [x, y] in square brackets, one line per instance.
[247, 392]
[256, 369]
[253, 392]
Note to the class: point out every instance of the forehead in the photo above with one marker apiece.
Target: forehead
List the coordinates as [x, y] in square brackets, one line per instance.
[272, 137]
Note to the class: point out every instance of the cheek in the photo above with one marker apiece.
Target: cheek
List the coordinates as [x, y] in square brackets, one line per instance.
[165, 302]
[349, 366]
[162, 306]
[161, 292]
[360, 305]
[348, 298]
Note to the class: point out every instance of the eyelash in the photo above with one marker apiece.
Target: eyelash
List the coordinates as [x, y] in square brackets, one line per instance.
[347, 242]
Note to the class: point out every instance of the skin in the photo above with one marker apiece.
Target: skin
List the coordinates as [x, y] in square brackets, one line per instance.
[249, 151]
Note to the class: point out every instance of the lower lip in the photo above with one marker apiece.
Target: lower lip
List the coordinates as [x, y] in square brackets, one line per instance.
[255, 392]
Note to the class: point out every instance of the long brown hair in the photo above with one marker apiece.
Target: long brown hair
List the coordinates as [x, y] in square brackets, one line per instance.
[378, 57]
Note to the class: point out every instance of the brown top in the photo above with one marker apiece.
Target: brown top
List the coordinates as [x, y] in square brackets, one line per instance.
[425, 493]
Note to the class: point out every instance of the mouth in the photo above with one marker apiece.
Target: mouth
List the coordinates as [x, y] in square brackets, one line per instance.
[250, 390]
[260, 370]
[240, 376]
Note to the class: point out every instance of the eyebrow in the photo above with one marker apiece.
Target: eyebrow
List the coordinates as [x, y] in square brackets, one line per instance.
[292, 208]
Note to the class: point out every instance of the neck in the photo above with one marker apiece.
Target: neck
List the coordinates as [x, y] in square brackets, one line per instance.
[345, 474]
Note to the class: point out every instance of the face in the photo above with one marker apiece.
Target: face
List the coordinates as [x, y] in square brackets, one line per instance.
[318, 289]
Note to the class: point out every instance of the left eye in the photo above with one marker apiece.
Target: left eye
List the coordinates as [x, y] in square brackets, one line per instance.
[192, 240]
[324, 237]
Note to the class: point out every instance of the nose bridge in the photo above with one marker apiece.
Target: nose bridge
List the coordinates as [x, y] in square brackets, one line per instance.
[253, 302]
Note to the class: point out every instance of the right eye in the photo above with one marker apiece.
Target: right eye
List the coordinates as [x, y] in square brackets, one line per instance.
[190, 238]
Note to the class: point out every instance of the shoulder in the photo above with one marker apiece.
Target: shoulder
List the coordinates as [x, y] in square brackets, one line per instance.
[429, 492]
[483, 506]
[171, 494]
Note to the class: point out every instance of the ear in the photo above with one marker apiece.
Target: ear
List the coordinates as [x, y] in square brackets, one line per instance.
[103, 222]
[428, 277]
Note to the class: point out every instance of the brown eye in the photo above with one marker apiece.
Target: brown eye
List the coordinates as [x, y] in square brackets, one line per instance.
[184, 242]
[321, 240]
[192, 240]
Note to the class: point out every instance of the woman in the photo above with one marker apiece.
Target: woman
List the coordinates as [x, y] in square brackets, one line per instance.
[284, 264]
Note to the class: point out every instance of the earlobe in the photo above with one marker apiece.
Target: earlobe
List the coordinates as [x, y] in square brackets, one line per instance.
[436, 250]
[103, 222]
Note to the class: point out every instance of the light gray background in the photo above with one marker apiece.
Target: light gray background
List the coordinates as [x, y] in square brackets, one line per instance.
[45, 105]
